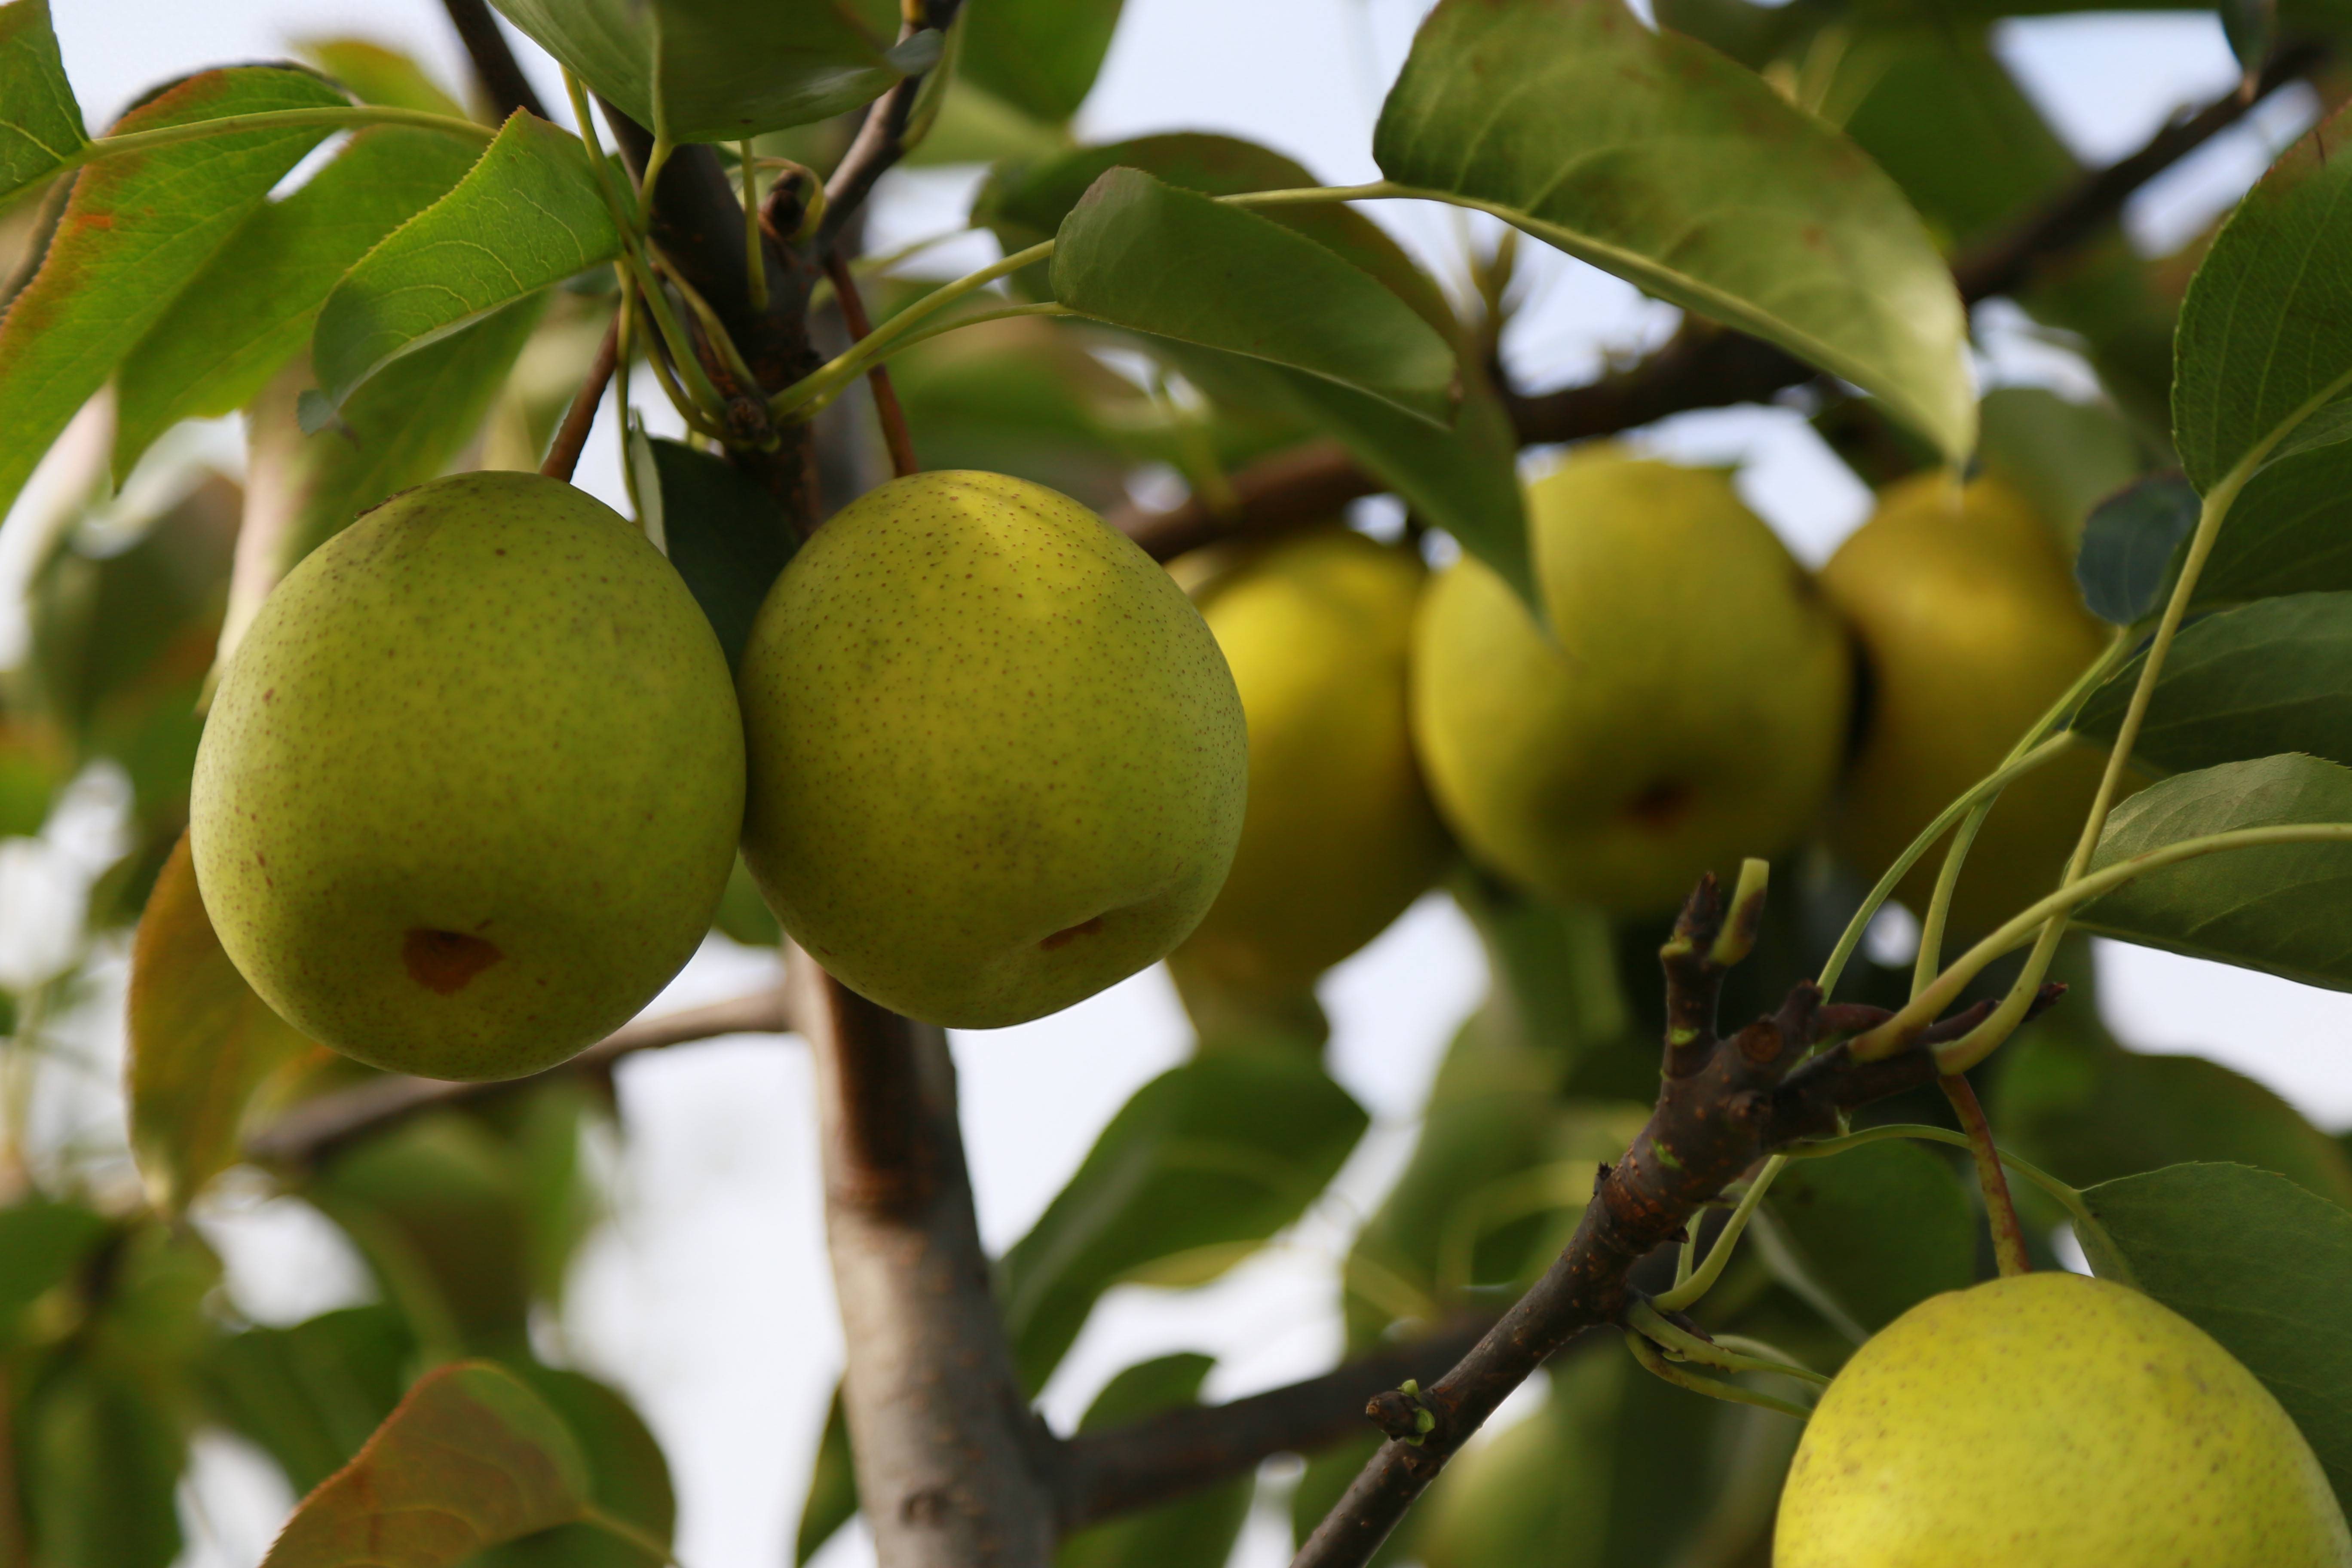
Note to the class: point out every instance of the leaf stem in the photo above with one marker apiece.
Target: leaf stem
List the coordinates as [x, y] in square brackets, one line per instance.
[755, 263]
[1653, 1325]
[622, 1530]
[1686, 1292]
[348, 118]
[1962, 1054]
[1713, 1388]
[2000, 1209]
[2068, 1197]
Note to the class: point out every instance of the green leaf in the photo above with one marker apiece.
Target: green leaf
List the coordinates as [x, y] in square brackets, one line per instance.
[1649, 156]
[41, 124]
[2082, 1107]
[832, 1500]
[374, 74]
[1138, 252]
[1879, 1228]
[1039, 56]
[252, 309]
[2272, 676]
[471, 1458]
[100, 1471]
[2127, 559]
[2265, 333]
[136, 229]
[2064, 457]
[1205, 1163]
[2286, 909]
[2259, 1264]
[721, 70]
[1197, 1530]
[2290, 531]
[628, 1479]
[41, 1243]
[309, 1394]
[201, 1043]
[743, 915]
[528, 215]
[725, 535]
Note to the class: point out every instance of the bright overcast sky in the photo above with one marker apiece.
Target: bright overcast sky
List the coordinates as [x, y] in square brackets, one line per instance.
[708, 1300]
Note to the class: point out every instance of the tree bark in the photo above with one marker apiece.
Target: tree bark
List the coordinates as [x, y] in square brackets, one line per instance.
[954, 1470]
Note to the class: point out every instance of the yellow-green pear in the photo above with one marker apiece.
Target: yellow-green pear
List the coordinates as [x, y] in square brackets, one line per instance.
[1686, 710]
[997, 762]
[2052, 1421]
[1971, 625]
[469, 788]
[1340, 836]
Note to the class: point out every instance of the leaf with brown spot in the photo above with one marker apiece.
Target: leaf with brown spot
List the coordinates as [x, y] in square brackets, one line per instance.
[201, 1043]
[471, 1460]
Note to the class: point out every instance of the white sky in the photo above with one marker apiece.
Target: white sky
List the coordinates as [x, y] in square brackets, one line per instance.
[708, 1300]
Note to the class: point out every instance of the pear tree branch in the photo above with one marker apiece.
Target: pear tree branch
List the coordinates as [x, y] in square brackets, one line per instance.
[1704, 366]
[495, 66]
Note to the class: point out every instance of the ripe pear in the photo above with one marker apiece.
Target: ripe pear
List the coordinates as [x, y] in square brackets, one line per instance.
[1686, 709]
[1340, 834]
[1971, 625]
[997, 762]
[469, 789]
[2052, 1421]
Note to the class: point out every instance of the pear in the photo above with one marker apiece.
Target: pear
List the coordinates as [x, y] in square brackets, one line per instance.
[1340, 834]
[1686, 708]
[1971, 625]
[2052, 1421]
[469, 789]
[997, 762]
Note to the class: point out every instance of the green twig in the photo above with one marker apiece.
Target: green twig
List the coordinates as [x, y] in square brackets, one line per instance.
[1713, 1388]
[1686, 1292]
[1653, 1325]
[2068, 1197]
[755, 262]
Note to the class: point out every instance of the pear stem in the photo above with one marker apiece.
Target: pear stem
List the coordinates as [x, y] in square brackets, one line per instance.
[887, 408]
[572, 436]
[2000, 1209]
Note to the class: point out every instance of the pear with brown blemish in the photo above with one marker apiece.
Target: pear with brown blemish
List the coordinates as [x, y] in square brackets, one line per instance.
[1686, 708]
[469, 790]
[997, 762]
[2053, 1421]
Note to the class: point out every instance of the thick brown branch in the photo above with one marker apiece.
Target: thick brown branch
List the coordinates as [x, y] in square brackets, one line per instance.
[495, 66]
[951, 1465]
[881, 140]
[321, 1125]
[1164, 1456]
[1725, 1104]
[1703, 366]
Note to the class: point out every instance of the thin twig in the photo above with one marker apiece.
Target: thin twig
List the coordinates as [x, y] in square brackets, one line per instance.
[1704, 366]
[572, 436]
[328, 1123]
[2000, 1209]
[495, 66]
[895, 434]
[881, 140]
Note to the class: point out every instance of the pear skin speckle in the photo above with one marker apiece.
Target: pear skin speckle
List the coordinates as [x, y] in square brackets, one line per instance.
[997, 762]
[2052, 1421]
[469, 790]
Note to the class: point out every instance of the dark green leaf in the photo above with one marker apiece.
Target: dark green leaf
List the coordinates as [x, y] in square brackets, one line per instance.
[2286, 908]
[2290, 531]
[41, 1243]
[2265, 333]
[1195, 1532]
[136, 229]
[1195, 1172]
[743, 915]
[471, 1460]
[832, 1500]
[201, 1042]
[41, 124]
[721, 70]
[1879, 1229]
[1652, 156]
[1039, 56]
[309, 1395]
[528, 215]
[2125, 562]
[2272, 676]
[2259, 1264]
[2082, 1107]
[100, 1471]
[251, 310]
[1138, 252]
[725, 535]
[2064, 457]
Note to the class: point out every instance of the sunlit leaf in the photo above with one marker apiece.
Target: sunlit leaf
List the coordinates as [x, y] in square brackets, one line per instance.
[721, 71]
[1139, 252]
[471, 1460]
[375, 73]
[2285, 908]
[1652, 156]
[138, 229]
[529, 214]
[201, 1042]
[40, 124]
[2260, 1264]
[2270, 677]
[627, 1479]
